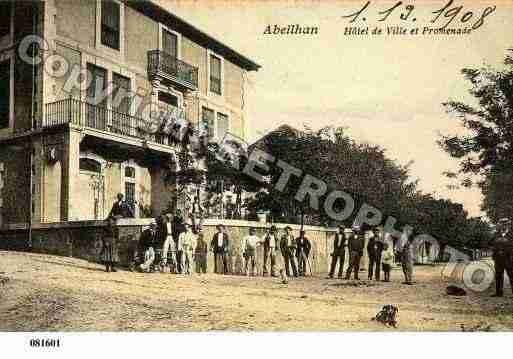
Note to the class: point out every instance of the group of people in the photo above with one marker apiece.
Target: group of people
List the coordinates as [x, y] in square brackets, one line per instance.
[177, 247]
[380, 253]
[172, 245]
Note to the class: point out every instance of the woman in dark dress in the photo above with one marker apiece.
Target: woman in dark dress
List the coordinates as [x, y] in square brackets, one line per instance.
[109, 251]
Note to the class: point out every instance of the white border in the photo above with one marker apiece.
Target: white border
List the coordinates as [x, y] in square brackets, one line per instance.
[296, 345]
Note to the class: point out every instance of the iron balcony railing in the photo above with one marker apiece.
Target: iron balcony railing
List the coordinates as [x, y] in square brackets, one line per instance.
[163, 64]
[84, 114]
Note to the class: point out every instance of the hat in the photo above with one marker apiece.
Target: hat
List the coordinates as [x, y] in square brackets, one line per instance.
[219, 226]
[289, 228]
[273, 228]
[504, 220]
[341, 226]
[348, 230]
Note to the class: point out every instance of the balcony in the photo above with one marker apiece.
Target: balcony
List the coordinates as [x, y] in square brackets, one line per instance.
[165, 66]
[100, 119]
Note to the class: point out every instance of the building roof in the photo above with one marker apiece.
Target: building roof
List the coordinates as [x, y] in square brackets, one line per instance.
[160, 14]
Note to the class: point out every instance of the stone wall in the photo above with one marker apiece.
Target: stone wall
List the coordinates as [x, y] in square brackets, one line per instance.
[77, 239]
[321, 239]
[71, 239]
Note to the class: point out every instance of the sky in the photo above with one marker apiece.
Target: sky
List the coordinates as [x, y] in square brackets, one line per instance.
[384, 90]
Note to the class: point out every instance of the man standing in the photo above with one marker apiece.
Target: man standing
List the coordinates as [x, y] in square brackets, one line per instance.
[380, 247]
[303, 247]
[200, 255]
[339, 251]
[248, 246]
[121, 209]
[407, 256]
[219, 245]
[503, 255]
[374, 251]
[270, 246]
[188, 241]
[356, 244]
[178, 227]
[288, 249]
[169, 246]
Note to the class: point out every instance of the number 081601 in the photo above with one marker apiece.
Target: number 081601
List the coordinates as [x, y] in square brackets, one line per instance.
[44, 343]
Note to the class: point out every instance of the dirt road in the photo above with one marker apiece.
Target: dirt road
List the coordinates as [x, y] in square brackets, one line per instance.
[49, 293]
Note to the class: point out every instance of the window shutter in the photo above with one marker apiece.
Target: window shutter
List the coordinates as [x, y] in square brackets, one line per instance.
[110, 14]
[170, 43]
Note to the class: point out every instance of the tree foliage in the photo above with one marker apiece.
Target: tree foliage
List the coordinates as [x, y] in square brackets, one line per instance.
[486, 150]
[369, 176]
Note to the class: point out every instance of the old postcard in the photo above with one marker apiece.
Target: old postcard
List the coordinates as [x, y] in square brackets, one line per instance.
[253, 166]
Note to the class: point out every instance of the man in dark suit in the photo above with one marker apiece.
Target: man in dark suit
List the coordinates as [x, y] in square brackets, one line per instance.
[339, 252]
[374, 251]
[303, 247]
[356, 244]
[220, 246]
[288, 249]
[121, 209]
[503, 255]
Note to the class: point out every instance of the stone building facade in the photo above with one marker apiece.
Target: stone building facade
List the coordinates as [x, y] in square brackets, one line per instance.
[69, 142]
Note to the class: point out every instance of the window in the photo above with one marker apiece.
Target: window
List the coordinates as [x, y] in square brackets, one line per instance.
[95, 97]
[130, 172]
[90, 165]
[5, 93]
[217, 124]
[5, 18]
[98, 84]
[170, 43]
[223, 125]
[121, 93]
[110, 24]
[130, 194]
[130, 181]
[121, 120]
[215, 74]
[208, 119]
[167, 99]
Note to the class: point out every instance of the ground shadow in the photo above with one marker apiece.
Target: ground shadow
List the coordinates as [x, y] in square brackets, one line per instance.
[71, 265]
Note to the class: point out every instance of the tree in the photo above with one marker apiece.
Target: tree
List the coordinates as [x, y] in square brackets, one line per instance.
[362, 170]
[486, 151]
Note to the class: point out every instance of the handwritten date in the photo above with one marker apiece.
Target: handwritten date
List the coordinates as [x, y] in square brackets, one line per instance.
[446, 15]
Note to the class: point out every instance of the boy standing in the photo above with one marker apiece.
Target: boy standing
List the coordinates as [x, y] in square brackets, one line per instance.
[387, 259]
[248, 246]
